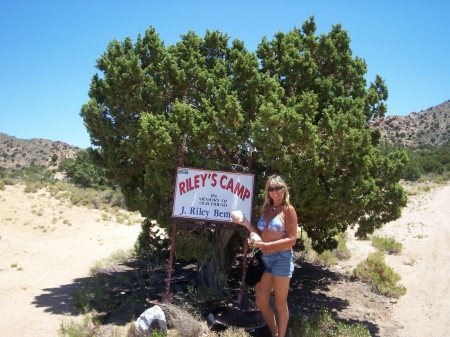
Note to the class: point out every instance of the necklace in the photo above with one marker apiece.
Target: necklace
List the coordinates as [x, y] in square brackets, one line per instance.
[277, 208]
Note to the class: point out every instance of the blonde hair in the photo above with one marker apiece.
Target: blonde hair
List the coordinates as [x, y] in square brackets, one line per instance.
[275, 181]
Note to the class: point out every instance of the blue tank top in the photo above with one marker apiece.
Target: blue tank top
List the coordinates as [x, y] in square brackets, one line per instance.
[276, 224]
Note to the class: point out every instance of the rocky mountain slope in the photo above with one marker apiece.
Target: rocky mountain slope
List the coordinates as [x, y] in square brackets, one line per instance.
[427, 127]
[18, 153]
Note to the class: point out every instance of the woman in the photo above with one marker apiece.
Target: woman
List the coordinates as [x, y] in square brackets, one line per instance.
[277, 228]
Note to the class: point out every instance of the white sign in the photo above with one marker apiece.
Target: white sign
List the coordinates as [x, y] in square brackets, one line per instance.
[212, 195]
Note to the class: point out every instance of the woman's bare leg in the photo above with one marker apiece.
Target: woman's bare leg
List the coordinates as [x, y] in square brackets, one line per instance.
[281, 290]
[262, 292]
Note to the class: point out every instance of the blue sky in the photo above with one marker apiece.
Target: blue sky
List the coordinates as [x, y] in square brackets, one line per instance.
[49, 48]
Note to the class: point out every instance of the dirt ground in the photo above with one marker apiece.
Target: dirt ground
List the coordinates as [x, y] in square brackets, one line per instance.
[47, 246]
[424, 232]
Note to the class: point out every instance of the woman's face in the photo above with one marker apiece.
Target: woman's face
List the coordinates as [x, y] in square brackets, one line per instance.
[276, 193]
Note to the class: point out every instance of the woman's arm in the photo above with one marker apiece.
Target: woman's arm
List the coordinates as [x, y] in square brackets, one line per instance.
[249, 226]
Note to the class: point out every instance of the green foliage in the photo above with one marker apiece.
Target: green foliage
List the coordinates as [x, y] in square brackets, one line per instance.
[85, 328]
[158, 334]
[321, 324]
[83, 171]
[33, 186]
[388, 245]
[88, 197]
[341, 251]
[195, 245]
[381, 277]
[301, 104]
[8, 181]
[32, 174]
[150, 243]
[428, 160]
[325, 258]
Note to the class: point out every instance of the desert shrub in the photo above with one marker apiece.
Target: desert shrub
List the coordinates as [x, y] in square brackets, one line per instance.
[387, 244]
[8, 181]
[94, 295]
[412, 172]
[441, 179]
[382, 278]
[321, 324]
[88, 197]
[425, 188]
[34, 173]
[184, 319]
[2, 185]
[342, 252]
[429, 160]
[33, 186]
[97, 292]
[86, 328]
[84, 171]
[327, 257]
[54, 189]
[424, 160]
[118, 257]
[152, 241]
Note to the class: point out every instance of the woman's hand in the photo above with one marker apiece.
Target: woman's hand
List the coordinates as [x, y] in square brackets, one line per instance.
[257, 244]
[253, 238]
[238, 217]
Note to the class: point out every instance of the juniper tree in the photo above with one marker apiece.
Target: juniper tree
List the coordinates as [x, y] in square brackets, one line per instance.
[300, 104]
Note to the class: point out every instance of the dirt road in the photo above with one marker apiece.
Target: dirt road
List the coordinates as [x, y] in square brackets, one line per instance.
[423, 264]
[424, 230]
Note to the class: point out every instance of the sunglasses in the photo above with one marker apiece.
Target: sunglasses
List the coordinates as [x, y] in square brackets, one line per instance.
[272, 189]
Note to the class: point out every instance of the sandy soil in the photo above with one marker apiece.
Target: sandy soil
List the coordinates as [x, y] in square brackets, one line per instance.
[47, 247]
[423, 265]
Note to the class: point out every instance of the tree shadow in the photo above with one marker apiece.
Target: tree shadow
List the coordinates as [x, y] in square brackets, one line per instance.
[119, 295]
[59, 300]
[308, 295]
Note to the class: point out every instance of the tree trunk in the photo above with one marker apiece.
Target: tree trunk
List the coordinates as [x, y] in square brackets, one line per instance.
[220, 260]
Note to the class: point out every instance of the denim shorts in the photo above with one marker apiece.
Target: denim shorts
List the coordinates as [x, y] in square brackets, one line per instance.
[279, 263]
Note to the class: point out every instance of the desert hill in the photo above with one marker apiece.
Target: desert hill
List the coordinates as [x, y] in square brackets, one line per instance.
[18, 153]
[427, 127]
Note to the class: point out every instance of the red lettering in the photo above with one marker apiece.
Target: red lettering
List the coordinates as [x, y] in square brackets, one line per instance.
[188, 184]
[213, 178]
[222, 178]
[182, 187]
[203, 176]
[239, 190]
[230, 185]
[196, 181]
[246, 194]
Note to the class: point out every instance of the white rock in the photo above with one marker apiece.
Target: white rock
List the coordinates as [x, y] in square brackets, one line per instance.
[150, 320]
